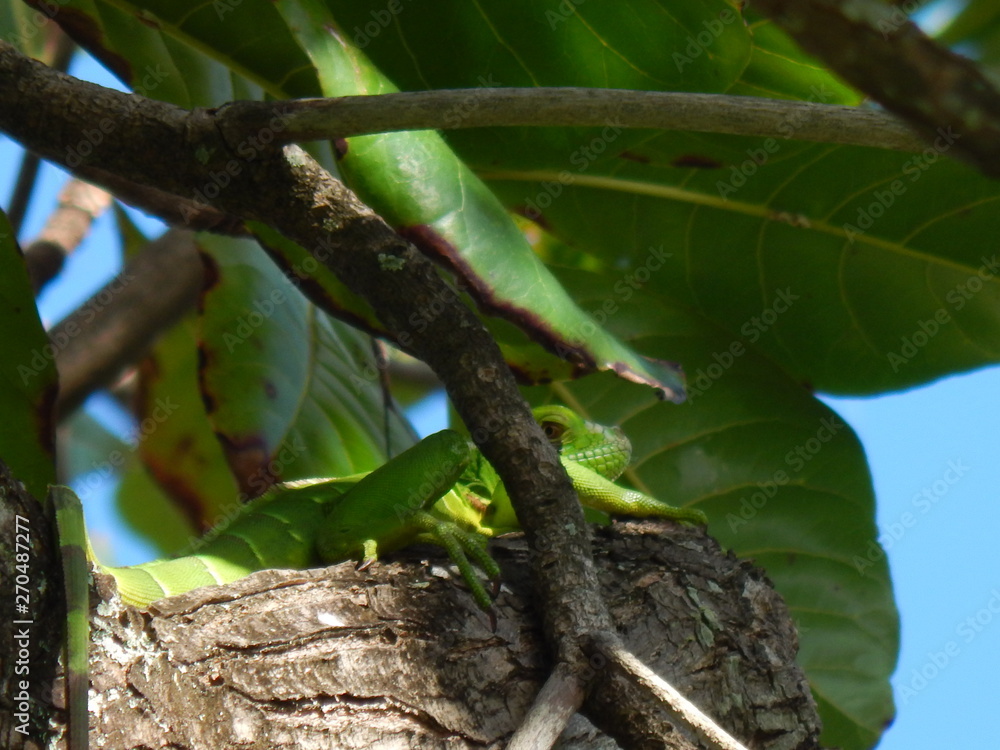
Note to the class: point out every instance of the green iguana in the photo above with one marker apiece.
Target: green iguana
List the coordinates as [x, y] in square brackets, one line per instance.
[441, 490]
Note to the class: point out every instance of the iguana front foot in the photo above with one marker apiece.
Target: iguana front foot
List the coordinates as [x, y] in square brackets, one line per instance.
[461, 545]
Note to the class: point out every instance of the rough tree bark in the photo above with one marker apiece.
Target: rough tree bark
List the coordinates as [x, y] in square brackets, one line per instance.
[33, 616]
[398, 656]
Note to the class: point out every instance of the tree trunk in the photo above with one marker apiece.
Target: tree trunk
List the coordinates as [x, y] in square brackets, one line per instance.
[399, 656]
[33, 617]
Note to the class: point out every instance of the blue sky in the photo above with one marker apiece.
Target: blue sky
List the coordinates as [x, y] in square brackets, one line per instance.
[933, 453]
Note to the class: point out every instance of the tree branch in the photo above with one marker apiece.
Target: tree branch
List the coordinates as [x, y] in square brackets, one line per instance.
[875, 48]
[58, 52]
[28, 544]
[376, 643]
[182, 152]
[682, 712]
[558, 699]
[320, 119]
[189, 213]
[119, 324]
[79, 206]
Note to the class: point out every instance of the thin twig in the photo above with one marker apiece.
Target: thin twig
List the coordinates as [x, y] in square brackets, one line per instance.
[79, 206]
[560, 697]
[694, 723]
[24, 186]
[172, 209]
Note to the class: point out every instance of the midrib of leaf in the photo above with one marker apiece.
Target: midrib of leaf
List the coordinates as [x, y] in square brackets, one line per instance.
[760, 211]
[631, 187]
[305, 393]
[506, 45]
[175, 32]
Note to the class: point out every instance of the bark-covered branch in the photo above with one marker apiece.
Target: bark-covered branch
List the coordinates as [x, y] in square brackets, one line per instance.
[165, 147]
[314, 119]
[118, 325]
[876, 49]
[79, 206]
[120, 322]
[403, 646]
[33, 616]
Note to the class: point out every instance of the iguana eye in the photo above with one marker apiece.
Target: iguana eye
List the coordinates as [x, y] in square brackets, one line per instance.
[554, 432]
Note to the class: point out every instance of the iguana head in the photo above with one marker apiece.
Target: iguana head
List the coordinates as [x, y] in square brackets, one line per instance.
[603, 449]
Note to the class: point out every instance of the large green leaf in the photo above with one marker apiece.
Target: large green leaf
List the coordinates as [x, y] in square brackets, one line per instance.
[25, 28]
[416, 182]
[783, 481]
[290, 393]
[768, 267]
[722, 224]
[413, 179]
[176, 448]
[27, 374]
[259, 387]
[883, 260]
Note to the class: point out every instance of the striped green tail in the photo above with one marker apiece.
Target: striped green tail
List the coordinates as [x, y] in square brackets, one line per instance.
[75, 549]
[276, 530]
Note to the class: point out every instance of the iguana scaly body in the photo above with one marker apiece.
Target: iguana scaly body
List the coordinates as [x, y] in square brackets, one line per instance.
[441, 491]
